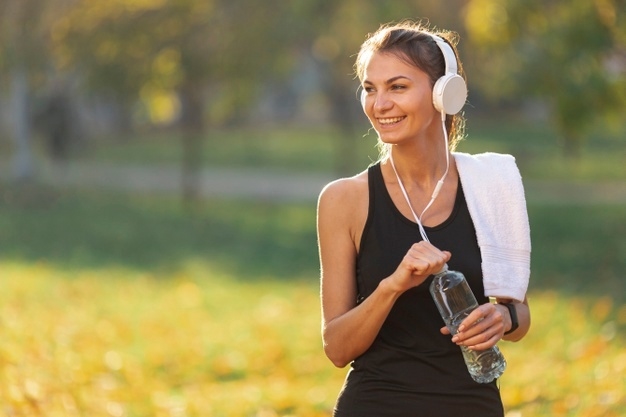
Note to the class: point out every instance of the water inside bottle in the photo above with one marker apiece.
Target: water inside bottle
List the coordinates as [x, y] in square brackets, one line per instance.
[486, 365]
[455, 302]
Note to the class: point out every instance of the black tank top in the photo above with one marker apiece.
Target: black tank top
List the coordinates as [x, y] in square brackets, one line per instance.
[411, 369]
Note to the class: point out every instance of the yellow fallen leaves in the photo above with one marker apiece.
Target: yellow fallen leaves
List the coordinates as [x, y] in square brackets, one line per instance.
[126, 343]
[572, 361]
[123, 343]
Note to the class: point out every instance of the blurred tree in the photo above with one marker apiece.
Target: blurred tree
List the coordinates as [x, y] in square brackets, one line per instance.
[201, 61]
[572, 54]
[182, 58]
[23, 58]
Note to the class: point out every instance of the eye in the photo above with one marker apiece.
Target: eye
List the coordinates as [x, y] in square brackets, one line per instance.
[398, 87]
[368, 89]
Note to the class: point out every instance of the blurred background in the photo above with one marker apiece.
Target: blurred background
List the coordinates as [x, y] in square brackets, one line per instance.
[160, 162]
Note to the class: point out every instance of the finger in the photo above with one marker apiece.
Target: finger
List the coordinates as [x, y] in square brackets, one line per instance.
[488, 343]
[478, 320]
[479, 341]
[480, 332]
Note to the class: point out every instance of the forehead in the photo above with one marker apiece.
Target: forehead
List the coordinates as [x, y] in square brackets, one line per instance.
[382, 66]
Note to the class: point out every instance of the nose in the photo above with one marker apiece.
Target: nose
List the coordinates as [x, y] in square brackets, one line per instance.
[382, 102]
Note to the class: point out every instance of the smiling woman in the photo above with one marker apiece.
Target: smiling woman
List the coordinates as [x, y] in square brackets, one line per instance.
[418, 57]
[378, 255]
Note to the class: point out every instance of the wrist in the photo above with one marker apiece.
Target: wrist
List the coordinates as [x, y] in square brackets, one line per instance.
[512, 310]
[388, 288]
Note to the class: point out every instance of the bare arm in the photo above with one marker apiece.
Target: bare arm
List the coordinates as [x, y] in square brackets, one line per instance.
[349, 330]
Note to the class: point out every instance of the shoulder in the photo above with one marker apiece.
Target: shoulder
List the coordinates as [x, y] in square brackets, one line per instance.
[344, 190]
[486, 158]
[344, 203]
[486, 164]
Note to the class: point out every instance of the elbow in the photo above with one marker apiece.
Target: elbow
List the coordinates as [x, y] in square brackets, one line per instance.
[336, 359]
[337, 356]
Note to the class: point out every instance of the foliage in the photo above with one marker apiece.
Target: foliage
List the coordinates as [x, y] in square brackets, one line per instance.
[570, 54]
[25, 40]
[154, 50]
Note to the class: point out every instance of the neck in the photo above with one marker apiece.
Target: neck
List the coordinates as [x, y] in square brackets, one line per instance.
[436, 189]
[420, 168]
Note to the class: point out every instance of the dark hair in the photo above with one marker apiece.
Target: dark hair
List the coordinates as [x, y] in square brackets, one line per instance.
[413, 43]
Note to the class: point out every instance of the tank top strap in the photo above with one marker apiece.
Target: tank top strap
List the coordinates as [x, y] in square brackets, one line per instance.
[376, 185]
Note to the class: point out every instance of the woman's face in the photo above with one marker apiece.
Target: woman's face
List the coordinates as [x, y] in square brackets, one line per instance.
[397, 99]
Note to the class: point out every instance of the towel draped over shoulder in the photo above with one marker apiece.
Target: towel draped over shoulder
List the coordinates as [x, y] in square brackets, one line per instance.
[495, 199]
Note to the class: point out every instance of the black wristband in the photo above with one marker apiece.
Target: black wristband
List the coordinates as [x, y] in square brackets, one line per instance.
[513, 314]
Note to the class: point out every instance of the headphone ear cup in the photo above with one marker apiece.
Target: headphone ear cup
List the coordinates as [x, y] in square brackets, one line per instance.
[449, 94]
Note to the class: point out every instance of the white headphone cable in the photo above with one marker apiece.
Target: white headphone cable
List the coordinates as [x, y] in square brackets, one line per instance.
[418, 219]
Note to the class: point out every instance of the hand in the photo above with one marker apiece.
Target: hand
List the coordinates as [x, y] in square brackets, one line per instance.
[420, 261]
[481, 329]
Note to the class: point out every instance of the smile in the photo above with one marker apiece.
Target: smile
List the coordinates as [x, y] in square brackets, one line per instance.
[391, 120]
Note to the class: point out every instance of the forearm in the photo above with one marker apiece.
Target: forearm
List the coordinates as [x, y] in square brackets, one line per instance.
[348, 336]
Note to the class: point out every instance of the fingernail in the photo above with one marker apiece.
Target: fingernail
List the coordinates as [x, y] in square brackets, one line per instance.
[455, 339]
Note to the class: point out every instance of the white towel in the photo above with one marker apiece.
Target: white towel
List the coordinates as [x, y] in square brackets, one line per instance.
[494, 192]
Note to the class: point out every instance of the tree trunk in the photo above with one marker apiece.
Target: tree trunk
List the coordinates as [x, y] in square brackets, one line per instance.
[23, 166]
[342, 115]
[192, 128]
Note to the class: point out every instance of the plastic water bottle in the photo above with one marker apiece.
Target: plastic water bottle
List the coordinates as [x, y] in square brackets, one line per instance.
[455, 301]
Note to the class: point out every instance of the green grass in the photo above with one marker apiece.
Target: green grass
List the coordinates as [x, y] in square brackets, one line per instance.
[576, 249]
[302, 149]
[93, 230]
[314, 149]
[539, 154]
[579, 249]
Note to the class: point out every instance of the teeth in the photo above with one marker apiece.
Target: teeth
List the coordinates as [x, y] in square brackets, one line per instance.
[390, 120]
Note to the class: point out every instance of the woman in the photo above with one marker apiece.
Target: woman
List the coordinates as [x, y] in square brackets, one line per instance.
[377, 254]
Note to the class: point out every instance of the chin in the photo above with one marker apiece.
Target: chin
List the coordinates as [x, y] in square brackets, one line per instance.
[389, 139]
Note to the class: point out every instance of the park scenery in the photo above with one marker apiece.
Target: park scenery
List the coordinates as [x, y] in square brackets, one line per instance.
[160, 163]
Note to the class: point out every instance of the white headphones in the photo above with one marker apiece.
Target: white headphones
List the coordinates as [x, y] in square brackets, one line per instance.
[449, 91]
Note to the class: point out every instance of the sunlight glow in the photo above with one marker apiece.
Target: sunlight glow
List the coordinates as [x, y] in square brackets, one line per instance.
[486, 21]
[163, 106]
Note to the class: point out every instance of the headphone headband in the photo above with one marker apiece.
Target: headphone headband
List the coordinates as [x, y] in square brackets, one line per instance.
[448, 55]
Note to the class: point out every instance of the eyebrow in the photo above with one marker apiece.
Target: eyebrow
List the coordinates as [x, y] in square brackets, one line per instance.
[391, 80]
